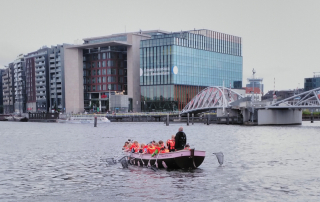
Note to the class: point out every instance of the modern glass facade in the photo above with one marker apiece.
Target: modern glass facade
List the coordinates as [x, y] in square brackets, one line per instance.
[175, 67]
[311, 83]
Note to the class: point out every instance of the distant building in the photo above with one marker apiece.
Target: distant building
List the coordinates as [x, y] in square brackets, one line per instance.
[174, 67]
[20, 85]
[8, 89]
[282, 94]
[37, 82]
[254, 87]
[1, 91]
[57, 78]
[109, 65]
[311, 83]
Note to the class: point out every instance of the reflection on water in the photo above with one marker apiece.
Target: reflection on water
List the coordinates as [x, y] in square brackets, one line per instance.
[71, 162]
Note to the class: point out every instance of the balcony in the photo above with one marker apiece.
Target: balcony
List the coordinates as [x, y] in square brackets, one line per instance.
[52, 55]
[52, 65]
[59, 96]
[40, 64]
[40, 94]
[59, 91]
[52, 70]
[52, 60]
[59, 85]
[52, 80]
[58, 80]
[40, 79]
[40, 84]
[39, 59]
[40, 69]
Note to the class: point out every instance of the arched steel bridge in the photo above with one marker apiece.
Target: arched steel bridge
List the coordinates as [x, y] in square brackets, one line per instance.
[211, 98]
[216, 97]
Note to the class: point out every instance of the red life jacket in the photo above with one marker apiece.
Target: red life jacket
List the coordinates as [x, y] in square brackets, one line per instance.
[151, 149]
[171, 144]
[136, 148]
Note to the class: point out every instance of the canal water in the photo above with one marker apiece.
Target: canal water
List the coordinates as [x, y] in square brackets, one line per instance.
[67, 162]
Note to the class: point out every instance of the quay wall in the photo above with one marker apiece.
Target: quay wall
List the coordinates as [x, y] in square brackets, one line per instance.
[279, 117]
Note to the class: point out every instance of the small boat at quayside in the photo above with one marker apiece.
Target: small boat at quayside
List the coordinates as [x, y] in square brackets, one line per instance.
[85, 119]
[182, 159]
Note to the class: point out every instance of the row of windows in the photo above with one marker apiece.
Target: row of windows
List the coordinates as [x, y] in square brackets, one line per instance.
[193, 67]
[211, 41]
[105, 72]
[109, 63]
[105, 79]
[115, 38]
[103, 87]
[107, 55]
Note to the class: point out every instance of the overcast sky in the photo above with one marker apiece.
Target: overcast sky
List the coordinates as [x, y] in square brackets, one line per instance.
[281, 39]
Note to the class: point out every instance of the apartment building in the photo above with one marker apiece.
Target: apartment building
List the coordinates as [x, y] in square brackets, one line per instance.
[57, 78]
[37, 85]
[8, 89]
[19, 85]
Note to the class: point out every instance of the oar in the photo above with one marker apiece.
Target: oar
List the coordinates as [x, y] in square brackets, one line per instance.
[155, 168]
[220, 157]
[141, 159]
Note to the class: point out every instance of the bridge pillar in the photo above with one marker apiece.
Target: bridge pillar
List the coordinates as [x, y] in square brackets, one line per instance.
[228, 119]
[192, 118]
[167, 122]
[188, 120]
[312, 118]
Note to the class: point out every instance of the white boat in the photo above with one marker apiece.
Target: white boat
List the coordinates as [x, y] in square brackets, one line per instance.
[84, 119]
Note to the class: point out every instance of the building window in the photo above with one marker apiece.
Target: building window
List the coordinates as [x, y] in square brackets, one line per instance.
[103, 55]
[104, 72]
[111, 79]
[99, 64]
[112, 71]
[120, 71]
[99, 79]
[110, 63]
[98, 87]
[104, 79]
[93, 88]
[104, 87]
[120, 79]
[93, 80]
[98, 72]
[119, 87]
[92, 65]
[103, 63]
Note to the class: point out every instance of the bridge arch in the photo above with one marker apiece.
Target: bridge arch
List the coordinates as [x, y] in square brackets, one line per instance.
[211, 98]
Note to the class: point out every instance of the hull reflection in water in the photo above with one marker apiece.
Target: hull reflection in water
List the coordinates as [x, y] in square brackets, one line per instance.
[183, 159]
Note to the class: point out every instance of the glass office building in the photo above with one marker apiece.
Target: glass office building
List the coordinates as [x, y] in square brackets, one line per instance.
[174, 67]
[312, 83]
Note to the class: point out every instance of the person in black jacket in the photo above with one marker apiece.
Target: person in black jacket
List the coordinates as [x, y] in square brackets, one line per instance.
[180, 140]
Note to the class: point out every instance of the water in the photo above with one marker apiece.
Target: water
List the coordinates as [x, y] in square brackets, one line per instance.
[67, 162]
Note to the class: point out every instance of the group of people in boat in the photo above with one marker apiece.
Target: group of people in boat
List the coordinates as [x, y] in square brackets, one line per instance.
[177, 142]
